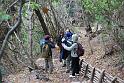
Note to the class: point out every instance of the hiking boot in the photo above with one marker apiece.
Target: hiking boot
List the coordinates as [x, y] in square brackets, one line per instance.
[51, 71]
[71, 76]
[77, 74]
[64, 65]
[68, 71]
[46, 71]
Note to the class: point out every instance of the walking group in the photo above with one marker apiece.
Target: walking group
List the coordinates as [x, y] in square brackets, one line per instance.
[69, 51]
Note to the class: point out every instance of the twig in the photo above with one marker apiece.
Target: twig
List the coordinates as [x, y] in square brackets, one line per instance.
[11, 5]
[11, 30]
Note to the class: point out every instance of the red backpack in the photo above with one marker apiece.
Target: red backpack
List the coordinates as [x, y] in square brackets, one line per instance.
[80, 50]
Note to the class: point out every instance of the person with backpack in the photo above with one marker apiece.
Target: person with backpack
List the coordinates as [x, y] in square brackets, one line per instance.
[74, 56]
[67, 41]
[46, 52]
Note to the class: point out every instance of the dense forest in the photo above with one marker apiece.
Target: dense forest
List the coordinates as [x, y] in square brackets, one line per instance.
[99, 24]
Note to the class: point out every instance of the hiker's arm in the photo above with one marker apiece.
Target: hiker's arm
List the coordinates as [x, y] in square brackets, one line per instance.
[52, 45]
[69, 48]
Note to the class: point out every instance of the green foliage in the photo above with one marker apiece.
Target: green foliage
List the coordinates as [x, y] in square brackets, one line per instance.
[2, 70]
[4, 16]
[1, 1]
[24, 37]
[55, 1]
[34, 5]
[121, 35]
[100, 8]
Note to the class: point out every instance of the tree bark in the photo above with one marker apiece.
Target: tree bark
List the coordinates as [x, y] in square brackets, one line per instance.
[11, 30]
[0, 76]
[88, 29]
[57, 24]
[39, 15]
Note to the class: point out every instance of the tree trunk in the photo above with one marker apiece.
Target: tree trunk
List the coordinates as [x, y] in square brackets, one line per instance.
[39, 15]
[30, 38]
[13, 28]
[88, 29]
[0, 76]
[57, 24]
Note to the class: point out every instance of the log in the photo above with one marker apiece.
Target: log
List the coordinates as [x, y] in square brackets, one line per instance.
[114, 80]
[92, 75]
[86, 69]
[120, 80]
[101, 76]
[95, 73]
[81, 64]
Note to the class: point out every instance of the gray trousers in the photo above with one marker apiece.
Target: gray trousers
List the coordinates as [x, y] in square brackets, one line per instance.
[49, 65]
[68, 62]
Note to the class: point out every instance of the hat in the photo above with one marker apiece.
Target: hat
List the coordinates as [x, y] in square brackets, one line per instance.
[74, 37]
[68, 34]
[46, 37]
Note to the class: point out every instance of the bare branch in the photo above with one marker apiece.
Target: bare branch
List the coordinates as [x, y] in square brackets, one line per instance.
[11, 5]
[8, 9]
[12, 29]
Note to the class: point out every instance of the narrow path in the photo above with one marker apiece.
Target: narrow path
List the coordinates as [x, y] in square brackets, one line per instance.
[59, 74]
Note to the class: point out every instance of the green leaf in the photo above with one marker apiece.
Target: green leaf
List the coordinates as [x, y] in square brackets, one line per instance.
[4, 16]
[55, 0]
[34, 5]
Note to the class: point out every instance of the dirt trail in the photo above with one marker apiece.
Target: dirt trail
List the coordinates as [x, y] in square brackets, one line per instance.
[96, 59]
[60, 76]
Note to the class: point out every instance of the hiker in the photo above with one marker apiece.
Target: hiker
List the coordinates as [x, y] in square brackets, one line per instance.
[68, 30]
[58, 41]
[46, 51]
[69, 43]
[67, 54]
[74, 57]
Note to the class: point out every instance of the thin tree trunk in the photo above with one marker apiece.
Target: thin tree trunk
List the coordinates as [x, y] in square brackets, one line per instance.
[0, 76]
[30, 38]
[39, 15]
[57, 24]
[11, 30]
[51, 26]
[88, 27]
[91, 49]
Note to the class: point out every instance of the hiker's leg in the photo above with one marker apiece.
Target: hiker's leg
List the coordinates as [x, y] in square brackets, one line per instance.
[46, 65]
[73, 66]
[77, 65]
[50, 65]
[60, 55]
[68, 59]
[64, 58]
[64, 62]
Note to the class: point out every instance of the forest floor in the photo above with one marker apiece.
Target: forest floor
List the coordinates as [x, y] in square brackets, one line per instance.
[59, 74]
[110, 63]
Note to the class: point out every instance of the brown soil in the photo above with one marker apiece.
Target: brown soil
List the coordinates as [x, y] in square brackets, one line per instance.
[59, 74]
[108, 63]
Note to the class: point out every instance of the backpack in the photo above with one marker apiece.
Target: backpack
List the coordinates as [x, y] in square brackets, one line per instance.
[80, 50]
[45, 51]
[42, 41]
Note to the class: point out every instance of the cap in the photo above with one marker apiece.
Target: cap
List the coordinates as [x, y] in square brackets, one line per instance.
[46, 37]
